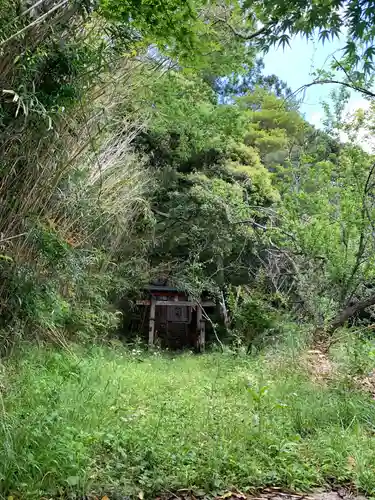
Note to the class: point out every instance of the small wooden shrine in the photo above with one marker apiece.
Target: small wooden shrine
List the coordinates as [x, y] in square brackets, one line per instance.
[174, 317]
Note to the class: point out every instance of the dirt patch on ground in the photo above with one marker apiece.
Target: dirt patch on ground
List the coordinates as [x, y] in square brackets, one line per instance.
[366, 383]
[319, 367]
[267, 494]
[234, 494]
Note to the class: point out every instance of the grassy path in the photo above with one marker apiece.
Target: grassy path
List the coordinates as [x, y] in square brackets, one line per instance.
[107, 421]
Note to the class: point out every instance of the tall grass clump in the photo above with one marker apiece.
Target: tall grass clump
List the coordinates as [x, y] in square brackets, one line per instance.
[72, 188]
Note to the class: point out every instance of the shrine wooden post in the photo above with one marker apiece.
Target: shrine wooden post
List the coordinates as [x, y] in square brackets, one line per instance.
[201, 328]
[151, 325]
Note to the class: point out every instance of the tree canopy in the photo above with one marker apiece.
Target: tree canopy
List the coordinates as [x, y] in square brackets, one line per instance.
[154, 144]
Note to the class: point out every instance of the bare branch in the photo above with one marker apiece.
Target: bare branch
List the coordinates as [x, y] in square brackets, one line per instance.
[253, 223]
[34, 23]
[334, 82]
[348, 312]
[265, 228]
[32, 7]
[362, 240]
[207, 318]
[244, 36]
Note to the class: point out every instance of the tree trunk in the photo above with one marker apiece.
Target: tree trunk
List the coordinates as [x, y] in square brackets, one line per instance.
[348, 312]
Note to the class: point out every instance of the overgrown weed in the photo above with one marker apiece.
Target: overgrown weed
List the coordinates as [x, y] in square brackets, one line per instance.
[104, 420]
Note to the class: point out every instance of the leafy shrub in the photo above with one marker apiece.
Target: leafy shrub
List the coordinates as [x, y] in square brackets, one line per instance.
[252, 316]
[359, 355]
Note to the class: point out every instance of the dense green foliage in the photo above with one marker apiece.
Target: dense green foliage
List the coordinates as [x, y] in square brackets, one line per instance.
[143, 140]
[154, 145]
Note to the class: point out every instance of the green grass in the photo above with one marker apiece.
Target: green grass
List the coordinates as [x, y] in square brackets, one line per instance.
[107, 421]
